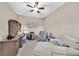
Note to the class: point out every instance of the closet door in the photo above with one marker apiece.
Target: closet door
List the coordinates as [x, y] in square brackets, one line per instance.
[14, 26]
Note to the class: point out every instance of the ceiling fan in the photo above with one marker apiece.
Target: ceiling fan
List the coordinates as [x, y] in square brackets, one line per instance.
[35, 7]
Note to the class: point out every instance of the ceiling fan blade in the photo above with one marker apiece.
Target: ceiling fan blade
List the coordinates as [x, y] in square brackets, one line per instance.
[31, 10]
[29, 6]
[41, 8]
[36, 4]
[38, 11]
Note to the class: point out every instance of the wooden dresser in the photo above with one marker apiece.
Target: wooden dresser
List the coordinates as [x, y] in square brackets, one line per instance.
[9, 47]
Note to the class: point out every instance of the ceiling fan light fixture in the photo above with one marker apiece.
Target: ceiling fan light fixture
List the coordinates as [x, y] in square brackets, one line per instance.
[35, 9]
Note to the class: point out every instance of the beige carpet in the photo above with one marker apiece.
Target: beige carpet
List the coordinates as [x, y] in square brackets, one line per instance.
[27, 49]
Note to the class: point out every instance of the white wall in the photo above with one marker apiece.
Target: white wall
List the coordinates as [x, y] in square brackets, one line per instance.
[65, 20]
[24, 20]
[6, 13]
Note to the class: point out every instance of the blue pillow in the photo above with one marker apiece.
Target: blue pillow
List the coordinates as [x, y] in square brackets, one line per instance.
[61, 43]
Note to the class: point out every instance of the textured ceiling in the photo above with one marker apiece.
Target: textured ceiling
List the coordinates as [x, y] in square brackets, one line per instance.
[21, 8]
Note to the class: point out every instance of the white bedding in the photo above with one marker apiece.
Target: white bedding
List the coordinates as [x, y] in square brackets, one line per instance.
[43, 49]
[48, 49]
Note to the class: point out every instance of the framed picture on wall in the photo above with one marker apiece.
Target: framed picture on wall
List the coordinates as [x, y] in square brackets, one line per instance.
[32, 24]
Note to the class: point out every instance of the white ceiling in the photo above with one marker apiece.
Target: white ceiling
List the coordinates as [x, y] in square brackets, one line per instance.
[21, 9]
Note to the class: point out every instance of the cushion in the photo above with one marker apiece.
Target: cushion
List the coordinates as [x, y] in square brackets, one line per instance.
[59, 42]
